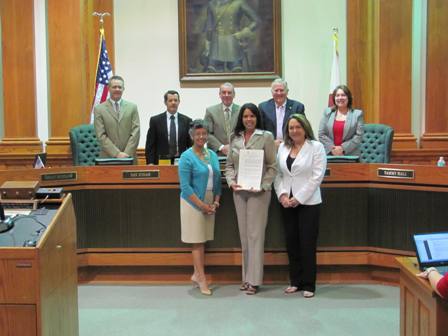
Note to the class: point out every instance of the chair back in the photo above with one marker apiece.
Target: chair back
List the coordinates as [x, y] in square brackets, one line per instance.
[376, 144]
[84, 145]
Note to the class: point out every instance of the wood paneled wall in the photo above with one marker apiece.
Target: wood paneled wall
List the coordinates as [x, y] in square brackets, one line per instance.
[73, 50]
[379, 40]
[436, 117]
[73, 39]
[379, 43]
[67, 70]
[19, 88]
[360, 38]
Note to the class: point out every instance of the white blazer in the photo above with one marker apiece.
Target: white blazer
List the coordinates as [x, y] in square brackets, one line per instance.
[306, 175]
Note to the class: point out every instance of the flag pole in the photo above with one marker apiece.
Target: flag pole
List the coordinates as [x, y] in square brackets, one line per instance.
[101, 16]
[336, 39]
[102, 35]
[101, 90]
[335, 78]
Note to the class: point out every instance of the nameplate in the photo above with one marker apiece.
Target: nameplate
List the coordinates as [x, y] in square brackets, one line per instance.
[59, 176]
[396, 173]
[327, 172]
[141, 174]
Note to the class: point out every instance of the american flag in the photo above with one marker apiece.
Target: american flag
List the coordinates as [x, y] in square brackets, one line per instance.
[103, 73]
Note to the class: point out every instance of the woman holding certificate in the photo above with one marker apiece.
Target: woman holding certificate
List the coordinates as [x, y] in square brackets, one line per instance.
[200, 184]
[252, 156]
[302, 162]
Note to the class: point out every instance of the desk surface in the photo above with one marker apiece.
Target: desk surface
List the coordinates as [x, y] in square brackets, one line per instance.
[360, 209]
[424, 176]
[28, 228]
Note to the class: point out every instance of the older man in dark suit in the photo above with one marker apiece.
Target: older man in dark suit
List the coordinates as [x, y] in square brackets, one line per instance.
[277, 110]
[168, 132]
[117, 123]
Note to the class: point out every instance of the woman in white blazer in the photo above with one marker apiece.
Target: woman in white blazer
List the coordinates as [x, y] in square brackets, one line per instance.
[301, 167]
[341, 127]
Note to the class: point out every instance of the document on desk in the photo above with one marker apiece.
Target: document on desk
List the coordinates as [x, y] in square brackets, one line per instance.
[14, 212]
[250, 168]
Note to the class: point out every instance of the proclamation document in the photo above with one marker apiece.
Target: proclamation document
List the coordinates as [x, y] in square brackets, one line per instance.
[250, 168]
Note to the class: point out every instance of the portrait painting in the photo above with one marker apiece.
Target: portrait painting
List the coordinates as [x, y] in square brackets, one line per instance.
[229, 40]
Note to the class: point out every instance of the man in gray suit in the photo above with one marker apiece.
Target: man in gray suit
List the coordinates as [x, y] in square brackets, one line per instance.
[277, 110]
[221, 120]
[117, 124]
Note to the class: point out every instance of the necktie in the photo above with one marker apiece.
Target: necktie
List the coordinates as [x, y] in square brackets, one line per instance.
[117, 108]
[227, 119]
[173, 142]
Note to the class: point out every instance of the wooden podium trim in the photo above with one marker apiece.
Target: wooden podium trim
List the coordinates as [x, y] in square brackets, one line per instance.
[358, 265]
[217, 257]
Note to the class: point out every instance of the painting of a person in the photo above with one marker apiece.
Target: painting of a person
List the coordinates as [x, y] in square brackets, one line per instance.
[229, 27]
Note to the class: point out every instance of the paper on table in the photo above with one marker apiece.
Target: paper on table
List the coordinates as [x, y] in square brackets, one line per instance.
[250, 168]
[12, 212]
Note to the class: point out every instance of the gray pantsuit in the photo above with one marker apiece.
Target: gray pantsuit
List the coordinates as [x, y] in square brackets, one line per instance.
[252, 207]
[252, 212]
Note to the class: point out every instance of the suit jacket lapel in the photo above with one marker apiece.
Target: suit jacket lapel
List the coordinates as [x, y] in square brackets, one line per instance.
[164, 128]
[330, 124]
[283, 157]
[347, 124]
[234, 110]
[257, 136]
[123, 110]
[303, 155]
[111, 110]
[233, 118]
[220, 114]
[272, 114]
[180, 130]
[288, 110]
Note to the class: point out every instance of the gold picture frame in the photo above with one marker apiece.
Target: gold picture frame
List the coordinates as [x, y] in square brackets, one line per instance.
[229, 40]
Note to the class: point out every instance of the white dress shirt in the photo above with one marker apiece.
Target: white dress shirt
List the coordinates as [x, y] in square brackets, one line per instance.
[113, 102]
[280, 115]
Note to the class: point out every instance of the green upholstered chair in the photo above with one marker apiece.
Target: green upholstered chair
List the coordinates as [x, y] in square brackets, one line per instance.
[376, 144]
[84, 144]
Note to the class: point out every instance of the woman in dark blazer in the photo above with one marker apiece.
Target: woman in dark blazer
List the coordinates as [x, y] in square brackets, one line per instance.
[302, 162]
[341, 127]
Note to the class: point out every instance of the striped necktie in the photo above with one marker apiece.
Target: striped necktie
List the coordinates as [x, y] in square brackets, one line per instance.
[227, 119]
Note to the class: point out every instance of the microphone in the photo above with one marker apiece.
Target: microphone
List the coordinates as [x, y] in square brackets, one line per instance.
[6, 224]
[2, 213]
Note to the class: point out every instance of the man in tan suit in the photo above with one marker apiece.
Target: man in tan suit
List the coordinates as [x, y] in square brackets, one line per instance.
[117, 123]
[221, 120]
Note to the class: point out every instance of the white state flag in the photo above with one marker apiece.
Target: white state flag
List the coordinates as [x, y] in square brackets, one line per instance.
[335, 78]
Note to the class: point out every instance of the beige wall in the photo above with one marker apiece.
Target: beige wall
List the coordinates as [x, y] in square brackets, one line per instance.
[146, 46]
